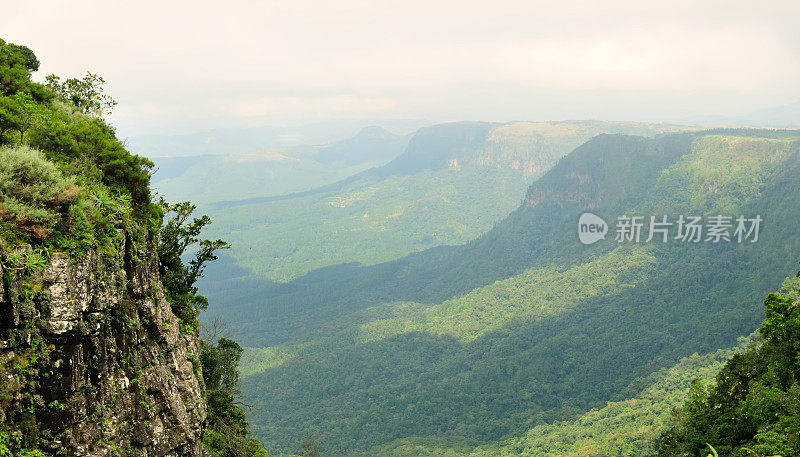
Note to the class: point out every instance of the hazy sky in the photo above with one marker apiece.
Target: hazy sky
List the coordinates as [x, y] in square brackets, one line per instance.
[178, 66]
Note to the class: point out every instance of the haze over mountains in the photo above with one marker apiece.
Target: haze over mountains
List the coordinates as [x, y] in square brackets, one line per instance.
[785, 116]
[400, 229]
[524, 325]
[441, 304]
[274, 171]
[452, 183]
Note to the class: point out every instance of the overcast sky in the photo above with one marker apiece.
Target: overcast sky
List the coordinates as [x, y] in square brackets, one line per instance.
[178, 66]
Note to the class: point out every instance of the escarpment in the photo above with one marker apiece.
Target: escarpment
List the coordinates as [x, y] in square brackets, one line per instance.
[93, 361]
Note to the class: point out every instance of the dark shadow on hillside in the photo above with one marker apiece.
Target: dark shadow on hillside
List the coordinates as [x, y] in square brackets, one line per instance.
[354, 396]
[539, 233]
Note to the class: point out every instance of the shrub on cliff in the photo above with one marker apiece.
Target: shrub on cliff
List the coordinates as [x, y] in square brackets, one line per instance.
[33, 192]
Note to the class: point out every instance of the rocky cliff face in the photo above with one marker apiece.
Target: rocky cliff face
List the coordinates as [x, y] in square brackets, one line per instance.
[92, 359]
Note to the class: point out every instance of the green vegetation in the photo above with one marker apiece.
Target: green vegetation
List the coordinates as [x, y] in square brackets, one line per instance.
[629, 427]
[754, 406]
[226, 435]
[268, 172]
[516, 341]
[367, 223]
[523, 327]
[174, 237]
[453, 183]
[32, 190]
[68, 184]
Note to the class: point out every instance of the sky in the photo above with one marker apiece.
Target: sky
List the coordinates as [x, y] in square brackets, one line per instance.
[183, 66]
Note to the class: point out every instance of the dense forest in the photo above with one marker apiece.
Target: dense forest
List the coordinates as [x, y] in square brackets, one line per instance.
[524, 326]
[754, 405]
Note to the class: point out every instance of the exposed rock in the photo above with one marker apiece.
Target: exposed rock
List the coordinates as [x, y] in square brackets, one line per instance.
[107, 370]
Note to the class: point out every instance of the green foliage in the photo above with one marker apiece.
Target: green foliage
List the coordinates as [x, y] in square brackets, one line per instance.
[89, 147]
[19, 112]
[67, 128]
[16, 64]
[524, 326]
[86, 93]
[754, 406]
[621, 428]
[33, 192]
[310, 448]
[226, 435]
[10, 447]
[176, 235]
[220, 374]
[223, 445]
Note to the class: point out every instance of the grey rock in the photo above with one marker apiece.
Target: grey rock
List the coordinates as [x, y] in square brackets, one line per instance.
[113, 370]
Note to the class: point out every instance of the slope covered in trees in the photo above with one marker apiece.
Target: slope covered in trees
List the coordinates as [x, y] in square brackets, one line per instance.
[754, 405]
[452, 183]
[630, 427]
[526, 326]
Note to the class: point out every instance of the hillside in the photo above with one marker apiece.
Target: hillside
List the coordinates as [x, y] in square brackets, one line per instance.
[273, 171]
[628, 427]
[524, 326]
[452, 183]
[754, 404]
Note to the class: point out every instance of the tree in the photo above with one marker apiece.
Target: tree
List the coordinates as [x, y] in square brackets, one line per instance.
[16, 64]
[7, 117]
[175, 237]
[14, 74]
[220, 362]
[86, 93]
[755, 403]
[25, 113]
[19, 112]
[310, 448]
[30, 61]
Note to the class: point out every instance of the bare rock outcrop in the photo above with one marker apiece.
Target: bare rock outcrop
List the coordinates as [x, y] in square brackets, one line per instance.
[93, 361]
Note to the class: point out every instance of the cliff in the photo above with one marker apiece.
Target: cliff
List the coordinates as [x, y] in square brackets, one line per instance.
[93, 360]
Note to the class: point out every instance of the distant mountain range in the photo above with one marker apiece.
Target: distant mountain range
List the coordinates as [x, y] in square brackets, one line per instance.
[450, 184]
[242, 140]
[479, 348]
[273, 171]
[785, 116]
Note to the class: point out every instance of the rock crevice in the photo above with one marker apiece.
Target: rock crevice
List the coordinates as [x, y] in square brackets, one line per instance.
[94, 361]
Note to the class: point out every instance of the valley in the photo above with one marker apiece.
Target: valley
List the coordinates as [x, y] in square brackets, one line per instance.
[447, 349]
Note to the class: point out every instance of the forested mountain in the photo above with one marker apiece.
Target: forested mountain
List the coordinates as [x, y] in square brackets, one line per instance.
[524, 326]
[452, 183]
[754, 405]
[400, 288]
